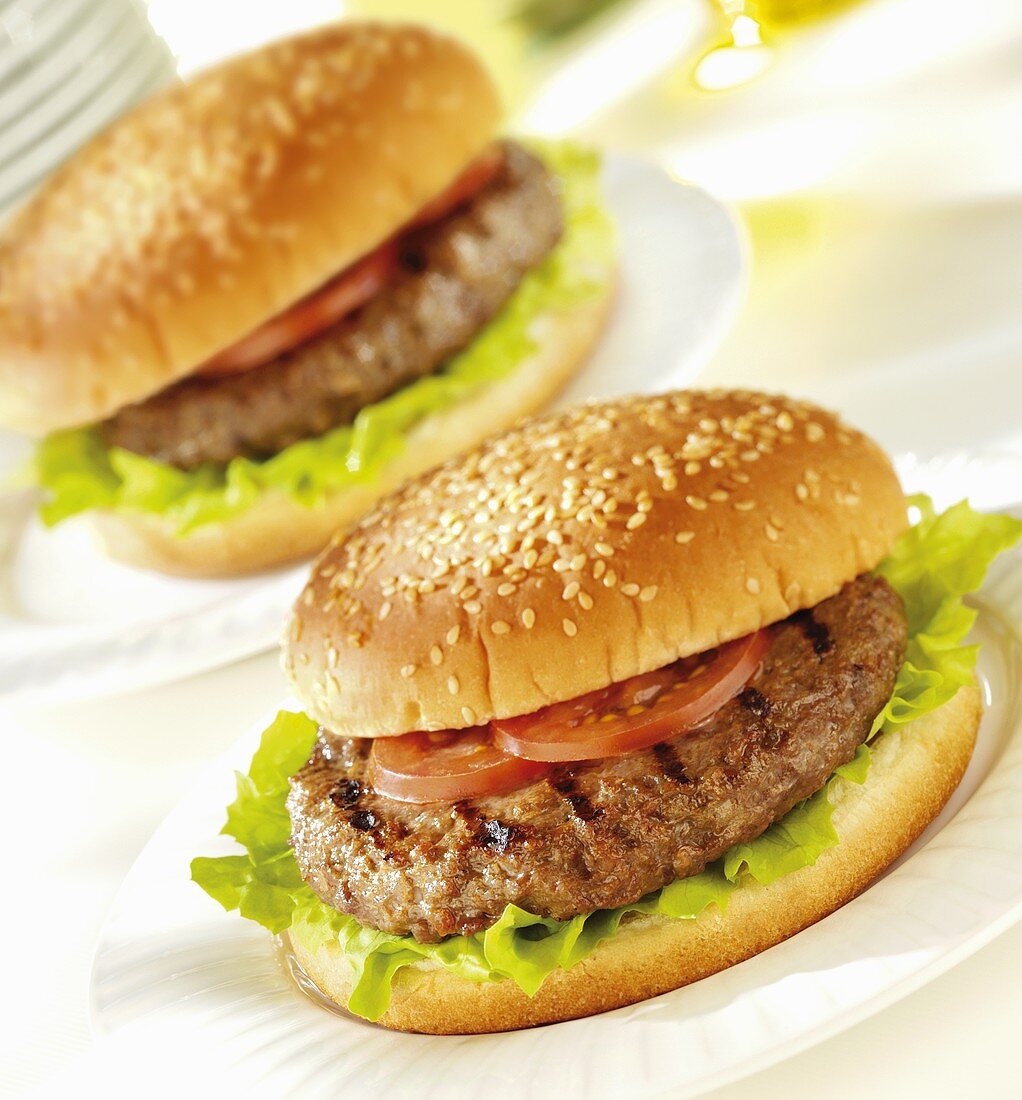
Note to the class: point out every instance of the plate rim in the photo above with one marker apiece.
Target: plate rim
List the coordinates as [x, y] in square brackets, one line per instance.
[843, 1018]
[68, 686]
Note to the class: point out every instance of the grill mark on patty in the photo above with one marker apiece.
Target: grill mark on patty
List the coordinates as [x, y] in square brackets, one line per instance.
[745, 771]
[486, 832]
[498, 835]
[670, 765]
[755, 702]
[346, 794]
[815, 631]
[412, 259]
[363, 820]
[581, 807]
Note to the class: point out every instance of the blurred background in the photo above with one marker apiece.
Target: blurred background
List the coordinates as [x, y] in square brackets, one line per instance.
[869, 146]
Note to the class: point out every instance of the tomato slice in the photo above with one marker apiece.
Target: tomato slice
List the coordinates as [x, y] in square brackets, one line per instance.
[446, 766]
[635, 713]
[309, 317]
[474, 178]
[348, 291]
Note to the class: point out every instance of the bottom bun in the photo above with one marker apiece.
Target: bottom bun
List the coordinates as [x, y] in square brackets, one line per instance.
[278, 529]
[914, 770]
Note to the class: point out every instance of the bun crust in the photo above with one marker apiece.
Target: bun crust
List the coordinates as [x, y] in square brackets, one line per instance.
[912, 775]
[278, 529]
[220, 202]
[583, 548]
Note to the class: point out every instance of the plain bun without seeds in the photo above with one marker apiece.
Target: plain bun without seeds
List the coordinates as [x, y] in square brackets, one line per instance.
[579, 549]
[220, 202]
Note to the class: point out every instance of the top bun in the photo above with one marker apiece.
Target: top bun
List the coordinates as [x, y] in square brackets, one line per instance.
[582, 548]
[220, 202]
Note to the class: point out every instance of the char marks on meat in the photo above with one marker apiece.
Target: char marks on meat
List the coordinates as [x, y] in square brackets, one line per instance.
[456, 274]
[605, 833]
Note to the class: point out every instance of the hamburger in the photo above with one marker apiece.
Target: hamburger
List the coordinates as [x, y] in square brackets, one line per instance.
[619, 699]
[272, 293]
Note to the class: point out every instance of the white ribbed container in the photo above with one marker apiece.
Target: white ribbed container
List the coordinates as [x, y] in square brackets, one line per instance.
[67, 69]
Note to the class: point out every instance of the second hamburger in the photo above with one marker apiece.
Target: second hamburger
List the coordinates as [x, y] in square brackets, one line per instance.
[617, 700]
[270, 294]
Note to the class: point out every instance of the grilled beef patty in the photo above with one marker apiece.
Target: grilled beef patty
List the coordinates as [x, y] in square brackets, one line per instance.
[455, 275]
[602, 834]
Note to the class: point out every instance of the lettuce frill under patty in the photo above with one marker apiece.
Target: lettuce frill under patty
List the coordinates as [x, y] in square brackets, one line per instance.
[938, 561]
[77, 471]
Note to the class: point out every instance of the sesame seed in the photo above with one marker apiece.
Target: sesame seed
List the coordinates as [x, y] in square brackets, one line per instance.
[469, 715]
[604, 550]
[648, 593]
[384, 610]
[505, 589]
[635, 521]
[585, 601]
[744, 505]
[696, 502]
[683, 537]
[530, 558]
[599, 568]
[578, 562]
[718, 496]
[452, 634]
[436, 655]
[500, 627]
[814, 433]
[771, 532]
[801, 491]
[528, 618]
[408, 671]
[452, 685]
[555, 538]
[473, 607]
[570, 627]
[630, 589]
[752, 585]
[570, 591]
[692, 468]
[610, 579]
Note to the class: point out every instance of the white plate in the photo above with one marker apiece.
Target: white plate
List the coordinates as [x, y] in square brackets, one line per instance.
[74, 625]
[174, 970]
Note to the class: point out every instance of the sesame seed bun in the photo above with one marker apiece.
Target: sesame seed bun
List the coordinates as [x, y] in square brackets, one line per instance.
[278, 529]
[580, 549]
[913, 772]
[221, 201]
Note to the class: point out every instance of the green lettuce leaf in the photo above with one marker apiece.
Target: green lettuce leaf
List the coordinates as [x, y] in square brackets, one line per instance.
[77, 471]
[941, 559]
